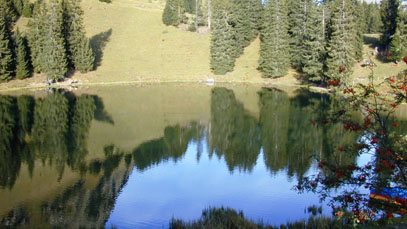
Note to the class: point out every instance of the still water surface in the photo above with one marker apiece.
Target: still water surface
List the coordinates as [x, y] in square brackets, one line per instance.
[135, 157]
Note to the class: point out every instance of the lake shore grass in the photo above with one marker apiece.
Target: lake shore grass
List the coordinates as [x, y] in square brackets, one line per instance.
[133, 46]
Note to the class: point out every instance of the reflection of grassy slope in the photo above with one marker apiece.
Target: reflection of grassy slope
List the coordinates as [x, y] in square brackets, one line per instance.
[141, 114]
[43, 183]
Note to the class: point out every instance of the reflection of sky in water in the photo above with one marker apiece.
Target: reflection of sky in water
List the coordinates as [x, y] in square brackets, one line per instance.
[151, 198]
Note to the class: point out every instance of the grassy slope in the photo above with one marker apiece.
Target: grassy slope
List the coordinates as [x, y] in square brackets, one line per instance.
[136, 47]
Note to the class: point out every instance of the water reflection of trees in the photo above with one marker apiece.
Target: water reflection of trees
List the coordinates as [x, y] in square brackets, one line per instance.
[172, 146]
[234, 133]
[289, 140]
[53, 129]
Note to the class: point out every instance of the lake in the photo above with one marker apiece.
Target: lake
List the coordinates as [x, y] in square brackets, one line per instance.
[138, 156]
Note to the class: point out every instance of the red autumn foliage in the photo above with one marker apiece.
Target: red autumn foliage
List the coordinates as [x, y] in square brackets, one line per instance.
[367, 122]
[334, 82]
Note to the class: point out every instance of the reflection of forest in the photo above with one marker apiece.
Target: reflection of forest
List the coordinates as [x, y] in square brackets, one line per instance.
[55, 129]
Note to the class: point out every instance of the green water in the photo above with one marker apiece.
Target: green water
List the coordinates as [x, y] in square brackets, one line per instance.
[134, 157]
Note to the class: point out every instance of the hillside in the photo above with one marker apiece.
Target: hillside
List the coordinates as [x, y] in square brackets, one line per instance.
[133, 45]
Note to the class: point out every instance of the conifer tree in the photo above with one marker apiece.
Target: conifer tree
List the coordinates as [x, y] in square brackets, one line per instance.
[398, 44]
[297, 14]
[189, 6]
[27, 8]
[241, 24]
[18, 6]
[170, 13]
[340, 58]
[389, 15]
[246, 18]
[55, 64]
[78, 46]
[8, 12]
[223, 44]
[37, 34]
[255, 17]
[312, 56]
[6, 54]
[358, 29]
[274, 57]
[22, 58]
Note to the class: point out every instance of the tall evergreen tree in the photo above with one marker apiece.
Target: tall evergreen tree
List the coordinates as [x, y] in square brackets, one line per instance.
[223, 43]
[298, 19]
[78, 46]
[55, 65]
[37, 35]
[398, 44]
[341, 53]
[375, 24]
[18, 6]
[359, 28]
[246, 18]
[8, 11]
[312, 56]
[170, 13]
[274, 56]
[389, 15]
[241, 24]
[255, 17]
[27, 8]
[6, 54]
[22, 57]
[190, 6]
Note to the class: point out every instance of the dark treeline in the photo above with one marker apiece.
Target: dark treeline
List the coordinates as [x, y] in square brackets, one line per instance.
[54, 44]
[321, 39]
[53, 129]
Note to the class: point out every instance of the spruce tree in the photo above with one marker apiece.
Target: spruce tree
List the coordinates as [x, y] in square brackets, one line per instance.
[78, 46]
[297, 14]
[223, 44]
[255, 17]
[341, 53]
[37, 34]
[55, 64]
[170, 13]
[389, 15]
[398, 44]
[246, 16]
[8, 12]
[241, 24]
[22, 58]
[375, 24]
[274, 56]
[6, 54]
[27, 8]
[358, 28]
[312, 56]
[18, 6]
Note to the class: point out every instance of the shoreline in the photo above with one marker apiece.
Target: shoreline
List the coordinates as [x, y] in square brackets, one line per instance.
[68, 86]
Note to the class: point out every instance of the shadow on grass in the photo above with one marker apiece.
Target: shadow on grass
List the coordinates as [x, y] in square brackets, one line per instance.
[98, 43]
[372, 41]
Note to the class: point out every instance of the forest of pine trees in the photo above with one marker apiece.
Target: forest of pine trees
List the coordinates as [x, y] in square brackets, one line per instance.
[320, 39]
[54, 44]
